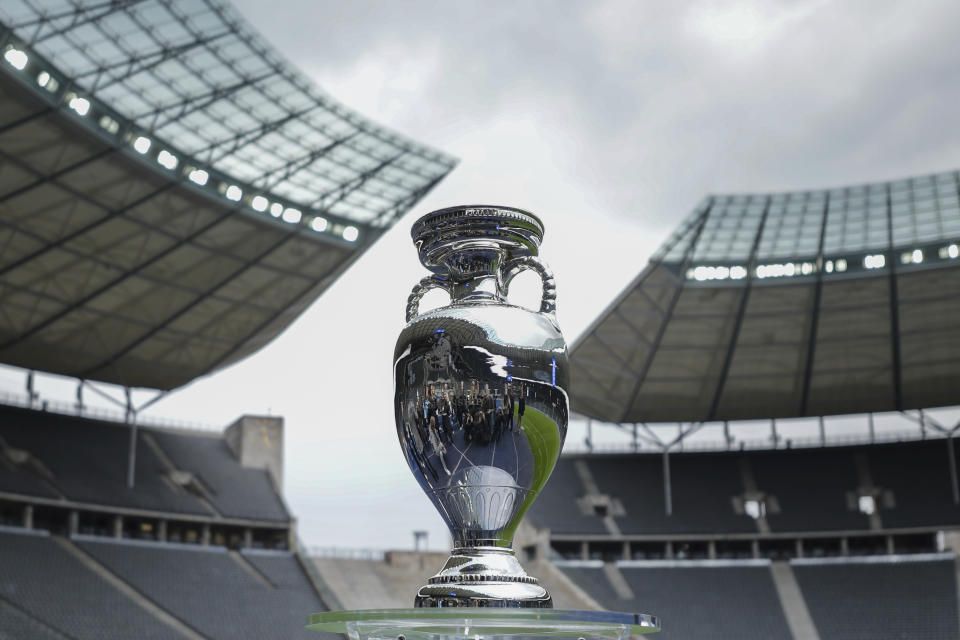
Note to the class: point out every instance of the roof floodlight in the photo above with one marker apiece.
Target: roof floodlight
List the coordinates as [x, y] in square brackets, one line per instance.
[199, 176]
[259, 203]
[806, 268]
[738, 273]
[874, 261]
[841, 264]
[917, 256]
[234, 193]
[17, 59]
[109, 124]
[276, 209]
[291, 215]
[167, 159]
[351, 233]
[48, 82]
[80, 105]
[141, 144]
[319, 224]
[953, 251]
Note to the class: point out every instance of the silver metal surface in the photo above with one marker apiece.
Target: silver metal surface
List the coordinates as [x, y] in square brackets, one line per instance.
[480, 398]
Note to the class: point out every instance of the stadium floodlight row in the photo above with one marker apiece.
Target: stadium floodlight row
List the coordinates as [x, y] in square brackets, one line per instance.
[172, 192]
[812, 303]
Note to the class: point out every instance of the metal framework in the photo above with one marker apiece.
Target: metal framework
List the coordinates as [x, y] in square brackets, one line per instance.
[172, 192]
[767, 306]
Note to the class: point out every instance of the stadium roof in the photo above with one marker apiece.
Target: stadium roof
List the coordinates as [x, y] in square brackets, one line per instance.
[811, 303]
[172, 192]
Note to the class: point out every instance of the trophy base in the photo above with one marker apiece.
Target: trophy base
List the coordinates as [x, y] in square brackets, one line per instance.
[483, 624]
[483, 577]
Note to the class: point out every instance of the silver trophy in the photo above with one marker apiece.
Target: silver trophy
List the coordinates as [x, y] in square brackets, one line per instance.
[480, 398]
[481, 411]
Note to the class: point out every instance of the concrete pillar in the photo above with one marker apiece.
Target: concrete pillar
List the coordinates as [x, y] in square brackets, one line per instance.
[257, 442]
[205, 535]
[248, 538]
[712, 549]
[625, 552]
[28, 516]
[162, 531]
[755, 548]
[669, 550]
[584, 550]
[844, 546]
[890, 548]
[799, 549]
[117, 526]
[74, 523]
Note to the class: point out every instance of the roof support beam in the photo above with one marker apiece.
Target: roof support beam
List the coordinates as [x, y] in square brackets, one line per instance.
[79, 303]
[81, 16]
[815, 320]
[346, 189]
[250, 135]
[244, 267]
[662, 329]
[195, 103]
[275, 176]
[144, 62]
[741, 311]
[894, 310]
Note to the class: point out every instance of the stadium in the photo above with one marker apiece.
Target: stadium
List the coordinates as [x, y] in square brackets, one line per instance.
[174, 194]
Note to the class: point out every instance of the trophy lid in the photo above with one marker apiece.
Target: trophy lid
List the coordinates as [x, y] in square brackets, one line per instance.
[471, 227]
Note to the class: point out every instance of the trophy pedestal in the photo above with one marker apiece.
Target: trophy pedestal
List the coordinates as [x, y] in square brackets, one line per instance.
[483, 577]
[477, 623]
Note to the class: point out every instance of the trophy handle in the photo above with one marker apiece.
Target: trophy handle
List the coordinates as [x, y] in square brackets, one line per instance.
[420, 289]
[548, 301]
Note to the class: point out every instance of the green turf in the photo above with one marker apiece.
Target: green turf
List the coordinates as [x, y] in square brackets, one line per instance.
[544, 439]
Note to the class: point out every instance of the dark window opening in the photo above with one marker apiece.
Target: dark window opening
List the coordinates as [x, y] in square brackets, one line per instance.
[778, 549]
[566, 550]
[734, 549]
[821, 547]
[915, 543]
[690, 550]
[95, 524]
[867, 545]
[648, 550]
[56, 521]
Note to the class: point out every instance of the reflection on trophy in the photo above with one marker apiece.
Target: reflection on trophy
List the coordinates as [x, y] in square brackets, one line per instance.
[480, 398]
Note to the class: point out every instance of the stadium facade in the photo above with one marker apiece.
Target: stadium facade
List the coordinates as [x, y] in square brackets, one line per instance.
[173, 194]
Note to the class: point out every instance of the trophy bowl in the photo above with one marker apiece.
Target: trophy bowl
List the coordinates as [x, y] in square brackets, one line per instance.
[480, 398]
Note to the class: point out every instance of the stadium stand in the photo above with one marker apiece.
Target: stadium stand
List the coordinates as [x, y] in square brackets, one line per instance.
[919, 480]
[250, 494]
[53, 590]
[810, 488]
[87, 462]
[561, 500]
[197, 548]
[804, 490]
[881, 598]
[222, 594]
[729, 602]
[896, 597]
[695, 502]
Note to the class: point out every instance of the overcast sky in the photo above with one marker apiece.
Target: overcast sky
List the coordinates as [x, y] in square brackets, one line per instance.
[610, 120]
